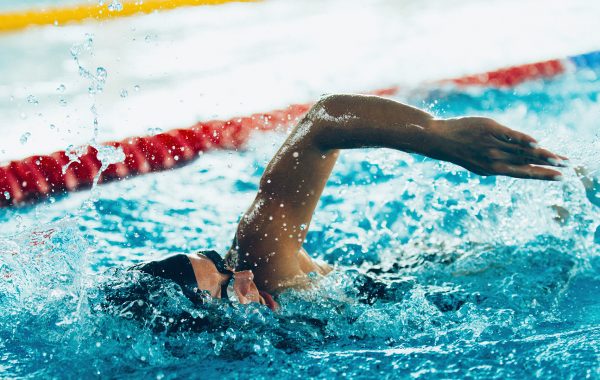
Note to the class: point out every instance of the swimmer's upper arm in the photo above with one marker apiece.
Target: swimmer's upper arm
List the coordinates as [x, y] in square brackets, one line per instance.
[270, 235]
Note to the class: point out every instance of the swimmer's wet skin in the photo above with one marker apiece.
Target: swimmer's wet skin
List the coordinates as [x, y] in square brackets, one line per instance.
[267, 254]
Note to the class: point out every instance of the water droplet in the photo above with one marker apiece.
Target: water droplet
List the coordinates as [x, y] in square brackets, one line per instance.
[124, 93]
[101, 73]
[52, 126]
[6, 195]
[24, 137]
[154, 130]
[295, 154]
[136, 88]
[97, 81]
[31, 99]
[62, 101]
[302, 227]
[115, 5]
[61, 88]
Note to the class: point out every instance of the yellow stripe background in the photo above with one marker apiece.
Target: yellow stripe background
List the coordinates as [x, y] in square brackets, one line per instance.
[17, 20]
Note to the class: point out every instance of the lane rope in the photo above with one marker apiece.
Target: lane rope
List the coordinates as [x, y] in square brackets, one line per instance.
[41, 176]
[18, 20]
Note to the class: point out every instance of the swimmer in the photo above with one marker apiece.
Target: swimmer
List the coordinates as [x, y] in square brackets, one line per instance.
[267, 256]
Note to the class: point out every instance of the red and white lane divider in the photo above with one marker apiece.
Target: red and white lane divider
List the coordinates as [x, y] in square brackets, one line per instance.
[38, 177]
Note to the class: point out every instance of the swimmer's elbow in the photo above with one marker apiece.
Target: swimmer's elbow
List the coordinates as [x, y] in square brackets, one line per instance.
[331, 109]
[331, 114]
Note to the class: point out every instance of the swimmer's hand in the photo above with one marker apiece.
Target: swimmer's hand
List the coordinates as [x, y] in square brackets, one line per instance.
[486, 147]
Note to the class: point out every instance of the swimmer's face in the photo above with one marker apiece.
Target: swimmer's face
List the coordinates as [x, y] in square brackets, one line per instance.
[209, 279]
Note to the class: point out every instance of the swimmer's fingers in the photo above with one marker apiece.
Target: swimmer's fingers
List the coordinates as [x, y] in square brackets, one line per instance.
[520, 155]
[513, 137]
[523, 149]
[527, 172]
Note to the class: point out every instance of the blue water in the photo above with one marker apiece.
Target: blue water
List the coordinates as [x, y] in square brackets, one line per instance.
[482, 278]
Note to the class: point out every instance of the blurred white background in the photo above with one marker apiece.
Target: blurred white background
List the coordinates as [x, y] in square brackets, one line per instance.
[171, 69]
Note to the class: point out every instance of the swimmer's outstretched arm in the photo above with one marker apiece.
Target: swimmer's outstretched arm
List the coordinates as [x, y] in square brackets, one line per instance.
[270, 235]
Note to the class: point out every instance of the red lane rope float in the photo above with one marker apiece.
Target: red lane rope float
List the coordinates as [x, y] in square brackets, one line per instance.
[512, 76]
[38, 177]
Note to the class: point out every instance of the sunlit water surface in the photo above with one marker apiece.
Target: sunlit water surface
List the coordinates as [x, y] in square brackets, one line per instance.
[482, 278]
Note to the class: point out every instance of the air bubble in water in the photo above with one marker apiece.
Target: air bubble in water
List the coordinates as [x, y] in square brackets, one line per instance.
[6, 195]
[61, 88]
[136, 88]
[31, 99]
[302, 227]
[24, 137]
[124, 93]
[62, 101]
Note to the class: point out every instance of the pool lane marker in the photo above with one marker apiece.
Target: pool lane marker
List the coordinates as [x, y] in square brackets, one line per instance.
[21, 19]
[513, 76]
[586, 61]
[37, 177]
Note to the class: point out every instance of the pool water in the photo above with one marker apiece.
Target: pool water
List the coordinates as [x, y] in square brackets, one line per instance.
[484, 277]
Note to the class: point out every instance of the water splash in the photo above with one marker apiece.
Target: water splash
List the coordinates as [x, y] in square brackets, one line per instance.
[434, 264]
[97, 79]
[107, 155]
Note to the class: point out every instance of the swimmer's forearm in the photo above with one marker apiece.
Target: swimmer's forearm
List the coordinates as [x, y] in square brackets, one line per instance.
[478, 144]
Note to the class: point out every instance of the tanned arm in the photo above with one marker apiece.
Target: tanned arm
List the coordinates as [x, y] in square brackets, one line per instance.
[270, 235]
